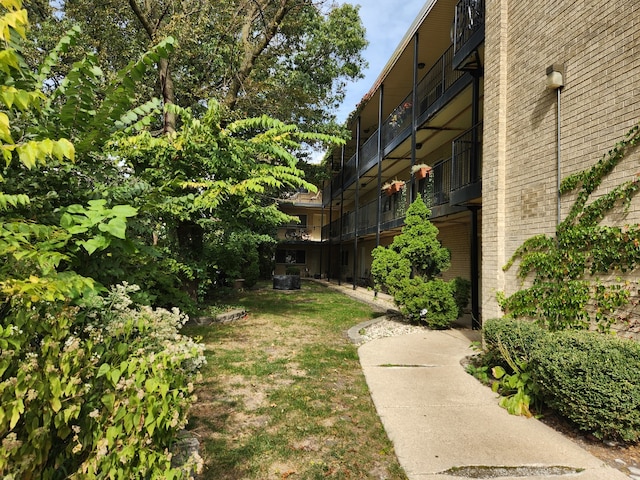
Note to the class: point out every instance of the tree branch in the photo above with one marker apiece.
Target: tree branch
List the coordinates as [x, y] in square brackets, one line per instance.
[151, 32]
[253, 50]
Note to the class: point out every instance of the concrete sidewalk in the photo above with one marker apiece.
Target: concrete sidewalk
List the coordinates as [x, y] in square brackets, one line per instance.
[440, 418]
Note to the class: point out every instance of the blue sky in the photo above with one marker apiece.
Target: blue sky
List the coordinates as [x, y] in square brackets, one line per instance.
[386, 22]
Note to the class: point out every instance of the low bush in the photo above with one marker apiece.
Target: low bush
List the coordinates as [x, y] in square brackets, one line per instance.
[517, 337]
[461, 293]
[97, 390]
[508, 347]
[591, 379]
[431, 302]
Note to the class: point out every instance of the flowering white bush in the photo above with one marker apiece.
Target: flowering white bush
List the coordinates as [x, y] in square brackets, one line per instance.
[97, 390]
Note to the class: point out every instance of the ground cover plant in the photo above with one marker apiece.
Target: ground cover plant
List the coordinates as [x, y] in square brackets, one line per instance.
[283, 393]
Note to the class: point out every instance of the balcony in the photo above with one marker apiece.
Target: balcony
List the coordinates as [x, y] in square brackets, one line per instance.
[466, 166]
[296, 234]
[467, 33]
[394, 208]
[435, 88]
[439, 85]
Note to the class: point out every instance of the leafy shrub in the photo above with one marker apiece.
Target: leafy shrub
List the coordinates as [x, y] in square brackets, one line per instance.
[591, 379]
[389, 269]
[517, 337]
[93, 391]
[508, 347]
[408, 268]
[292, 271]
[461, 293]
[431, 302]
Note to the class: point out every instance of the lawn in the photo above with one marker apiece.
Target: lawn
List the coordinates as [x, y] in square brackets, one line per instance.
[283, 395]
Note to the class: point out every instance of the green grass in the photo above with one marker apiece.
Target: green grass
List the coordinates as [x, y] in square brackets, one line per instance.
[283, 394]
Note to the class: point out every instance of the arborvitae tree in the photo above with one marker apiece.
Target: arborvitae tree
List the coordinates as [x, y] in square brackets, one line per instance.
[408, 269]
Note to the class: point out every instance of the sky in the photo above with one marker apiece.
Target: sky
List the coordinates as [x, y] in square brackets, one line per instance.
[386, 22]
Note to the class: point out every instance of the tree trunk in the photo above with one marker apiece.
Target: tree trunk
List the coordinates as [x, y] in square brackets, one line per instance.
[254, 45]
[168, 94]
[164, 73]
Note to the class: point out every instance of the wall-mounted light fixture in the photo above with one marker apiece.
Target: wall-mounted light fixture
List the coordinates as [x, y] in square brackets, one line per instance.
[555, 81]
[555, 76]
[421, 65]
[418, 146]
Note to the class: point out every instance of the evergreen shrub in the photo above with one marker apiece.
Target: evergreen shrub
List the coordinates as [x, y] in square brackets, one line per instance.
[591, 379]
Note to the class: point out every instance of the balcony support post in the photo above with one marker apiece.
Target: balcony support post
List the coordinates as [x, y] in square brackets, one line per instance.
[341, 213]
[475, 119]
[476, 322]
[414, 116]
[357, 206]
[379, 209]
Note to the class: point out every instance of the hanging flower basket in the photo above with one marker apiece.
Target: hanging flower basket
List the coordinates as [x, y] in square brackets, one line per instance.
[392, 187]
[396, 186]
[421, 171]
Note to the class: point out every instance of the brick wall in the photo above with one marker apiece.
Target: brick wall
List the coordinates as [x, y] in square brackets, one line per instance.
[599, 45]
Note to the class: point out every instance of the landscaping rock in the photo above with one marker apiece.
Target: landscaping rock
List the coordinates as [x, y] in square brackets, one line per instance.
[231, 315]
[225, 317]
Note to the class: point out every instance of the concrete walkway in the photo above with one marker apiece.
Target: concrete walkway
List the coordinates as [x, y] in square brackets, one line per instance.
[441, 419]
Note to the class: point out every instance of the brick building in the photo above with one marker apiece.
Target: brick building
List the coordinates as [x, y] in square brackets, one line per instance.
[500, 98]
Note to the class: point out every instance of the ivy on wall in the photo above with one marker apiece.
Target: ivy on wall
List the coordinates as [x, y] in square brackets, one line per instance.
[576, 276]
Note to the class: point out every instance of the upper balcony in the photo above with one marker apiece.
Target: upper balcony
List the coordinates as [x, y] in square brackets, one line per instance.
[434, 91]
[467, 34]
[452, 185]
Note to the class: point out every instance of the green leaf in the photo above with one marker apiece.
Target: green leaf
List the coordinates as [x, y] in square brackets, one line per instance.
[109, 400]
[98, 242]
[104, 368]
[124, 211]
[116, 227]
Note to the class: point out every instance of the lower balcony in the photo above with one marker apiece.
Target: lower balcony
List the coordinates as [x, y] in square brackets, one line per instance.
[466, 167]
[299, 234]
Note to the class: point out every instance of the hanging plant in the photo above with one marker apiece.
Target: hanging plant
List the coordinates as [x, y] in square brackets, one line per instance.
[421, 170]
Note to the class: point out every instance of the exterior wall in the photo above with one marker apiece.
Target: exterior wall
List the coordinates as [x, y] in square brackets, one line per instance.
[457, 238]
[598, 43]
[305, 238]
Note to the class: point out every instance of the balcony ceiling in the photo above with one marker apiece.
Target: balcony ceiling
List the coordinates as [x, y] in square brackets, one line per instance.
[434, 33]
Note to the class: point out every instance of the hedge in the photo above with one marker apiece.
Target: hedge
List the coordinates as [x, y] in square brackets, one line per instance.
[591, 379]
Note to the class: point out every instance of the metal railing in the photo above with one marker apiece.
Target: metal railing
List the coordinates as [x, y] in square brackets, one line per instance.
[469, 17]
[394, 207]
[440, 77]
[298, 233]
[436, 82]
[399, 120]
[441, 183]
[464, 171]
[369, 150]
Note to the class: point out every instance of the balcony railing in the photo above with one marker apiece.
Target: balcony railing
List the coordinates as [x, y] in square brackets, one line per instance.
[440, 184]
[469, 18]
[440, 77]
[299, 233]
[465, 171]
[398, 122]
[369, 151]
[433, 86]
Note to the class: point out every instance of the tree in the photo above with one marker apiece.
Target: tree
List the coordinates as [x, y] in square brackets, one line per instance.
[289, 59]
[408, 269]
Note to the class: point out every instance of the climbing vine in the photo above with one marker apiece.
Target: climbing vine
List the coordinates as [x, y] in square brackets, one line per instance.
[572, 284]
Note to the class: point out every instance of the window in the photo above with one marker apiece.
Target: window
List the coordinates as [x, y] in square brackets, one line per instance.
[291, 256]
